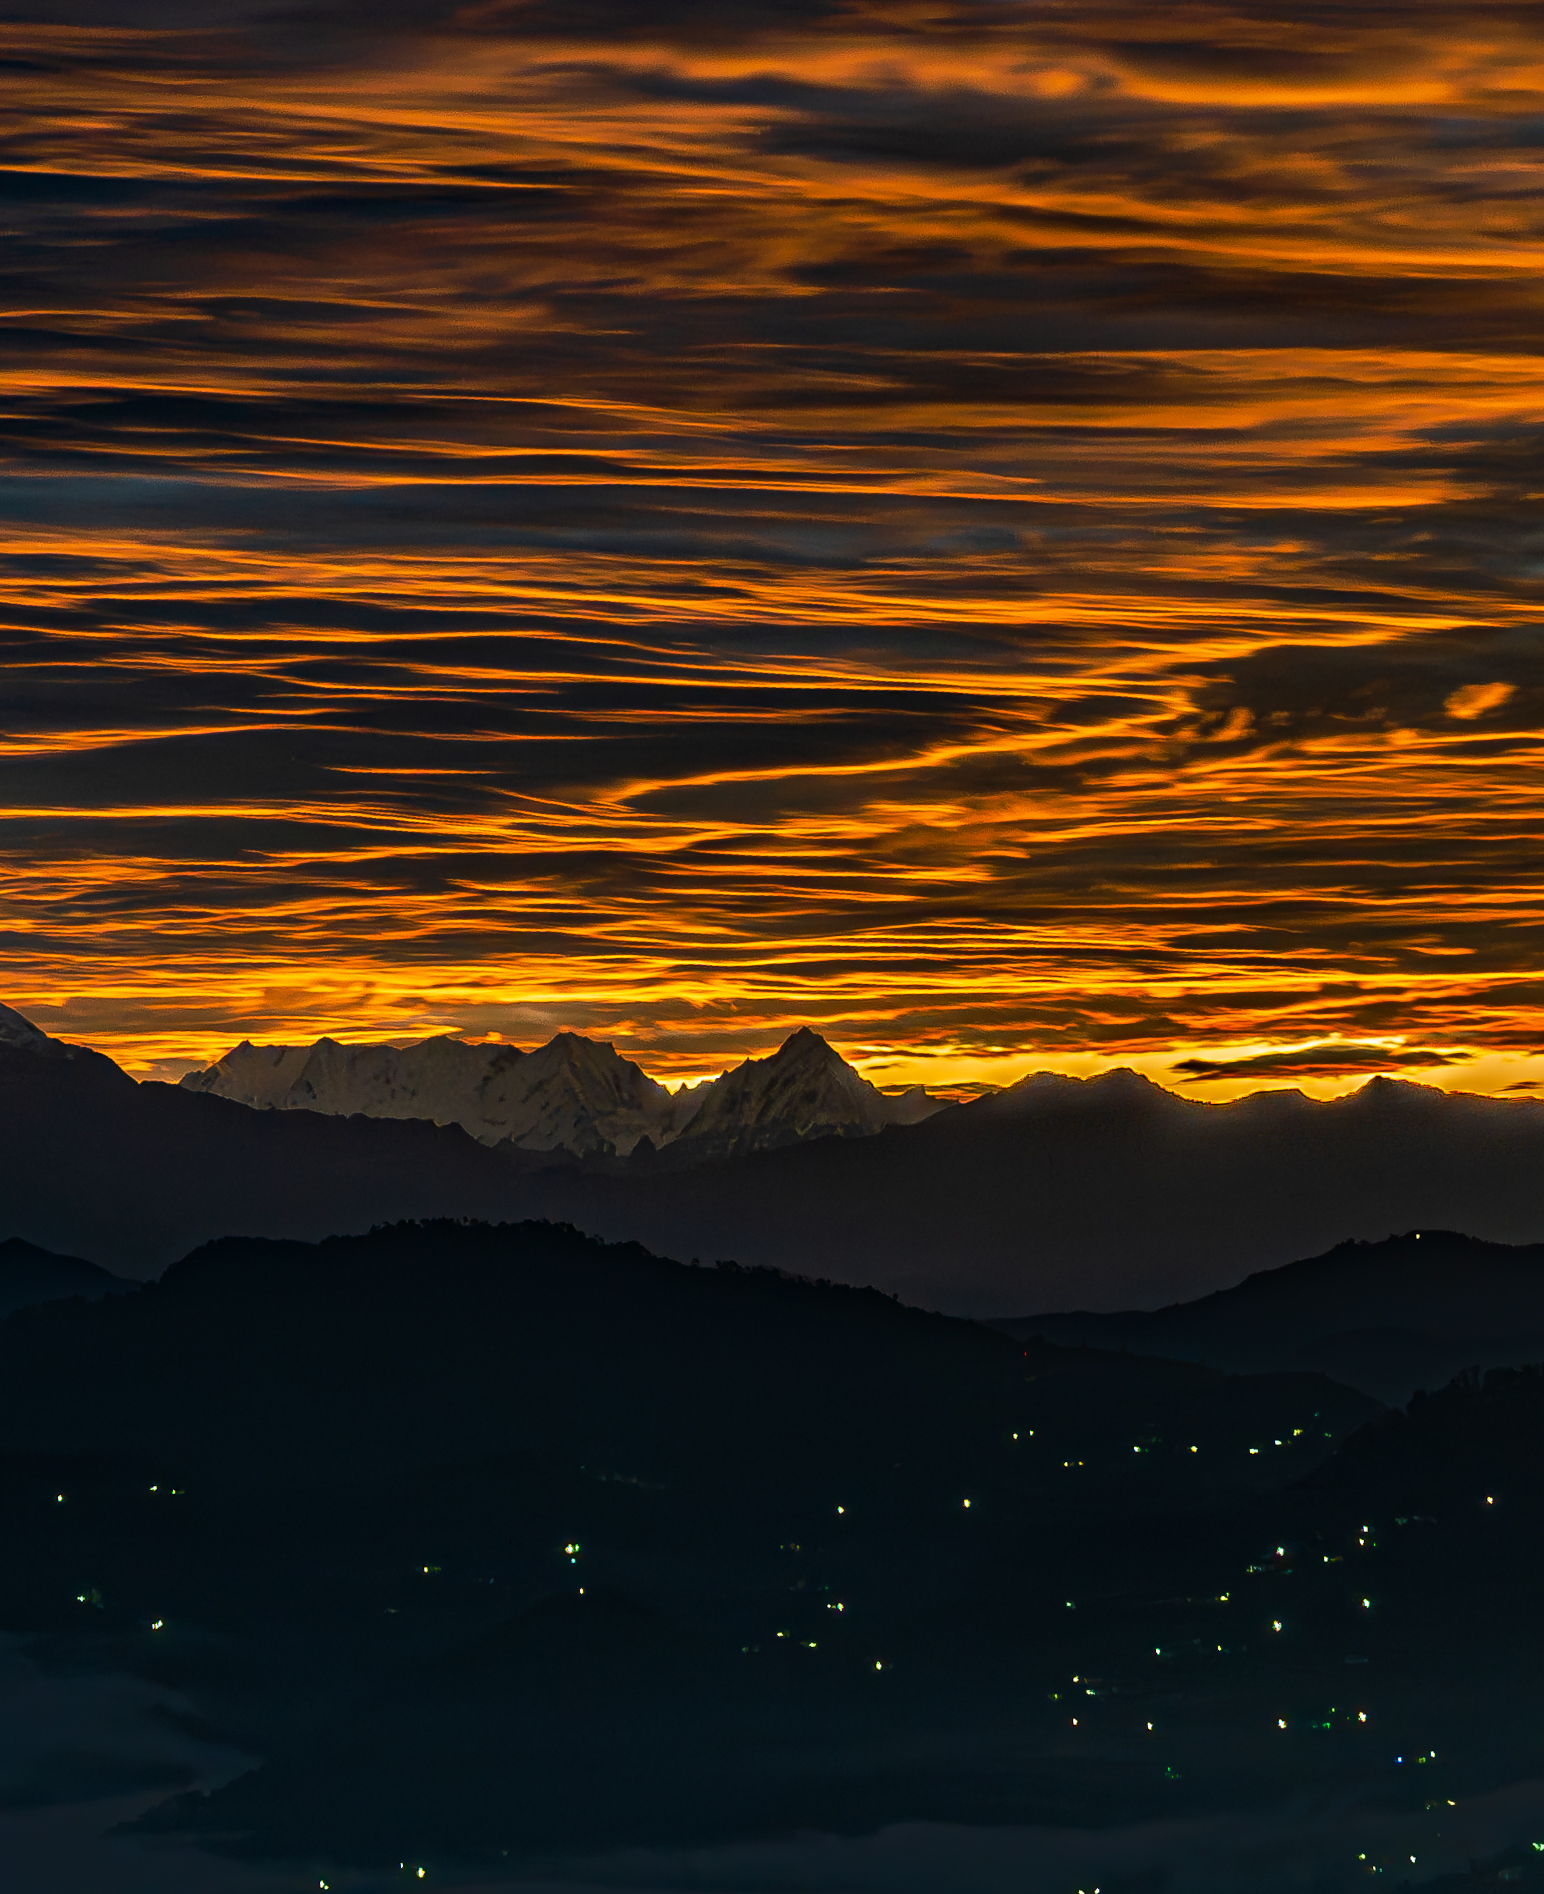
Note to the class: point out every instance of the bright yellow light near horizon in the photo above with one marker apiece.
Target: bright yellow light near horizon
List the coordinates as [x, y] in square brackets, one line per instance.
[951, 1071]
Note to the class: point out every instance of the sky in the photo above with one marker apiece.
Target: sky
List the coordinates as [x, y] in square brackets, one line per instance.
[1008, 533]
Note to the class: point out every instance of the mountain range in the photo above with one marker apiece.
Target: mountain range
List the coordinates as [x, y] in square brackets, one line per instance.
[1108, 1194]
[571, 1094]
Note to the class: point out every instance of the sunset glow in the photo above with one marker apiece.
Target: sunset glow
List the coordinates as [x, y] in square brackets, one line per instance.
[1010, 535]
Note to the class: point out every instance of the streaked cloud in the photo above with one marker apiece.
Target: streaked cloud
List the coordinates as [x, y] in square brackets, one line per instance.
[1325, 1058]
[1010, 533]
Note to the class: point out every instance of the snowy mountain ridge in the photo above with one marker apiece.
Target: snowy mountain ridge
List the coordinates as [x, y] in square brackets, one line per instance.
[572, 1094]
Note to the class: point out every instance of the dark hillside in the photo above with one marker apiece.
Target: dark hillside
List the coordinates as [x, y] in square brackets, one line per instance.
[1386, 1317]
[1108, 1194]
[29, 1274]
[834, 1553]
[136, 1175]
[500, 1539]
[402, 1347]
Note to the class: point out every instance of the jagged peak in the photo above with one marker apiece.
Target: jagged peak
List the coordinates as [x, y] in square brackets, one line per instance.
[804, 1039]
[574, 1091]
[578, 1045]
[20, 1035]
[20, 1031]
[804, 1046]
[573, 1048]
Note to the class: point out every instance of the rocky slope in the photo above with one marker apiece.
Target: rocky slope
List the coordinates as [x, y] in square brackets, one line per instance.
[805, 1090]
[25, 1049]
[571, 1094]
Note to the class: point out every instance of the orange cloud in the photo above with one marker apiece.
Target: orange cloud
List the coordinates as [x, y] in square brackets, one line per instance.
[1473, 700]
[974, 527]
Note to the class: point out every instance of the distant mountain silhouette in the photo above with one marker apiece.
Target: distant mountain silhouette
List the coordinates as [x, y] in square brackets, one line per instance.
[1102, 1194]
[134, 1176]
[571, 1094]
[1389, 1318]
[1055, 1194]
[30, 1275]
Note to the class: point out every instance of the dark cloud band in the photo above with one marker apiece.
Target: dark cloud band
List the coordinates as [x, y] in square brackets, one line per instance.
[1001, 529]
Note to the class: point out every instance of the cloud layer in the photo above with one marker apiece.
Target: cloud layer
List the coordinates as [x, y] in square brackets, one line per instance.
[999, 530]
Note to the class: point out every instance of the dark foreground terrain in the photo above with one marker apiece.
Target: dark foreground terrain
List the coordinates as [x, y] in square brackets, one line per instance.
[1409, 1313]
[498, 1542]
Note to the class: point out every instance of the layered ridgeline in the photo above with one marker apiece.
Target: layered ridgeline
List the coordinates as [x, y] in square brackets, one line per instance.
[29, 1275]
[571, 1094]
[1057, 1193]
